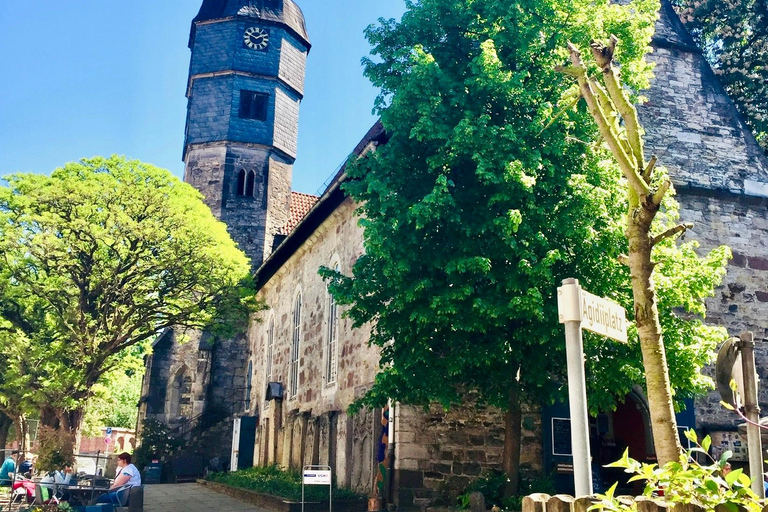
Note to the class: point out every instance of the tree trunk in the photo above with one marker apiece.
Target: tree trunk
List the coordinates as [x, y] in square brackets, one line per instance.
[663, 421]
[5, 427]
[61, 419]
[512, 440]
[22, 433]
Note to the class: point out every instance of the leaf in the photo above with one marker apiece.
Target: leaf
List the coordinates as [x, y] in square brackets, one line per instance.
[690, 434]
[727, 454]
[733, 476]
[706, 443]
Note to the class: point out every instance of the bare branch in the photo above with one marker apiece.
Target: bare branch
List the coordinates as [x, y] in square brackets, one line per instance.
[658, 196]
[604, 58]
[630, 171]
[680, 228]
[648, 172]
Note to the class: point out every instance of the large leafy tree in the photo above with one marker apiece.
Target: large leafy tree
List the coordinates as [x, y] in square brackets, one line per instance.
[733, 35]
[485, 197]
[99, 257]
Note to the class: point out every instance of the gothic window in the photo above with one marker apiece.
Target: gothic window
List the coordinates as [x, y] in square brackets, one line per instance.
[241, 183]
[180, 395]
[295, 347]
[249, 182]
[331, 343]
[270, 347]
[248, 387]
[253, 105]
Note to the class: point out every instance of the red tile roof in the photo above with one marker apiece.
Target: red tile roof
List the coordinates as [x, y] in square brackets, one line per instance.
[300, 206]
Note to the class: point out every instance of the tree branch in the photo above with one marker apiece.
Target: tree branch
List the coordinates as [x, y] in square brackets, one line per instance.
[680, 228]
[604, 58]
[648, 172]
[658, 196]
[627, 167]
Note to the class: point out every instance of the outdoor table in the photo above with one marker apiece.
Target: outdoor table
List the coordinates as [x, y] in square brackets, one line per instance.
[82, 494]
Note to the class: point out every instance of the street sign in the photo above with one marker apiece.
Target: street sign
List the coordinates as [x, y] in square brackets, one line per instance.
[596, 314]
[579, 310]
[109, 431]
[107, 440]
[316, 477]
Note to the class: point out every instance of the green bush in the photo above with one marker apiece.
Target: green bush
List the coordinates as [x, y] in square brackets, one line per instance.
[687, 481]
[55, 449]
[278, 482]
[157, 442]
[491, 486]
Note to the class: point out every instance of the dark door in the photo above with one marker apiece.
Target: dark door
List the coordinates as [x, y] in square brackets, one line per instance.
[248, 426]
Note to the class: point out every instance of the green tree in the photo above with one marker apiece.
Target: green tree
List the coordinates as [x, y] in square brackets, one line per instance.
[99, 257]
[733, 35]
[114, 401]
[485, 197]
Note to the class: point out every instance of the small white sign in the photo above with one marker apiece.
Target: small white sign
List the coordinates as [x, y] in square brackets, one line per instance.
[316, 477]
[596, 314]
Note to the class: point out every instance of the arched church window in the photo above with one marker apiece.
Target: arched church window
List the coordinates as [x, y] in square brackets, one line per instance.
[295, 346]
[249, 182]
[241, 183]
[332, 340]
[248, 386]
[180, 399]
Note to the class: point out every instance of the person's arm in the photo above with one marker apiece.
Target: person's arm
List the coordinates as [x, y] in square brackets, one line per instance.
[120, 480]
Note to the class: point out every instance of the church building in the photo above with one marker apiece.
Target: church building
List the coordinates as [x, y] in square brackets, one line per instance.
[279, 393]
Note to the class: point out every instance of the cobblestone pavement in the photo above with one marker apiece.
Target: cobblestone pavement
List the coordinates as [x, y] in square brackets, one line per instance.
[191, 498]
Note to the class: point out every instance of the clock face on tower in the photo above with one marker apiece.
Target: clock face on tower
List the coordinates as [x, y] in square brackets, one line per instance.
[256, 38]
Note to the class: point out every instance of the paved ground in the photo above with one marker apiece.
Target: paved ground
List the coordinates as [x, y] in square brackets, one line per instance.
[191, 498]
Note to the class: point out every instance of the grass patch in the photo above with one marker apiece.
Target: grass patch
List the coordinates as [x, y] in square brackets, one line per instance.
[278, 482]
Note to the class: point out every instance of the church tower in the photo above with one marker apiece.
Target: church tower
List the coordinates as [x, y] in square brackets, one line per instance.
[246, 81]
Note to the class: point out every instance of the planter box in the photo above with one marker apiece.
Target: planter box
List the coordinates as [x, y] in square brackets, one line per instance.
[277, 504]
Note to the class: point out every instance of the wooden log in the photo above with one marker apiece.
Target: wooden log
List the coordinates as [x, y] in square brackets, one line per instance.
[647, 504]
[560, 503]
[582, 503]
[536, 502]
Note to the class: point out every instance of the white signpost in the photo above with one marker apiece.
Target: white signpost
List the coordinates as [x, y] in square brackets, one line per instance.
[582, 310]
[317, 475]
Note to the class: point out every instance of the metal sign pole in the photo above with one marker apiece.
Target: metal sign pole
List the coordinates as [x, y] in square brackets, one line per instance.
[570, 295]
[752, 412]
[317, 475]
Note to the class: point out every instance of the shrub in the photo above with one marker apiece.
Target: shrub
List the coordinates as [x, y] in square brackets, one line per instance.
[491, 486]
[157, 442]
[278, 482]
[687, 481]
[55, 449]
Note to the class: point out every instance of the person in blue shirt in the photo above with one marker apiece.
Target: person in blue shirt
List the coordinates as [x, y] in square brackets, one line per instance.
[127, 475]
[8, 469]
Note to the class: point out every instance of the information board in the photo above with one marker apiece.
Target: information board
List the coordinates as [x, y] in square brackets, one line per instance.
[561, 437]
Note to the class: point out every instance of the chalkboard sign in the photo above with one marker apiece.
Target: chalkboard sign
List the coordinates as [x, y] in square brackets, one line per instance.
[153, 473]
[561, 437]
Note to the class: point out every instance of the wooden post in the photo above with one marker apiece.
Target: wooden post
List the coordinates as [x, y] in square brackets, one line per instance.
[560, 503]
[536, 502]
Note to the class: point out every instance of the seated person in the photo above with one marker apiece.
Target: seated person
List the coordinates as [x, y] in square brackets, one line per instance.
[127, 474]
[58, 477]
[25, 468]
[7, 470]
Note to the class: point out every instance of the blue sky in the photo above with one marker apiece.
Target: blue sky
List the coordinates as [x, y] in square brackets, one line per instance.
[96, 77]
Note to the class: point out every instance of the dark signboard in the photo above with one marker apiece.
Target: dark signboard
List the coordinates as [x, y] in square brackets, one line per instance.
[561, 437]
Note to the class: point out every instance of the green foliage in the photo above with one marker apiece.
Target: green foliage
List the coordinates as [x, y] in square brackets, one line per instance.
[491, 486]
[156, 442]
[54, 450]
[733, 35]
[486, 196]
[98, 258]
[51, 507]
[277, 482]
[114, 402]
[687, 481]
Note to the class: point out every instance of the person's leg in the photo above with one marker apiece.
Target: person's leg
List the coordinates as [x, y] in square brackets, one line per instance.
[110, 497]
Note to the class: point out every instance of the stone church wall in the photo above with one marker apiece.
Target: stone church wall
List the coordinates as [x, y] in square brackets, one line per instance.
[313, 426]
[722, 180]
[438, 454]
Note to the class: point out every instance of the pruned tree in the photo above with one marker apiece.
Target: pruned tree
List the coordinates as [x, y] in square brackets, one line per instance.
[647, 188]
[99, 257]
